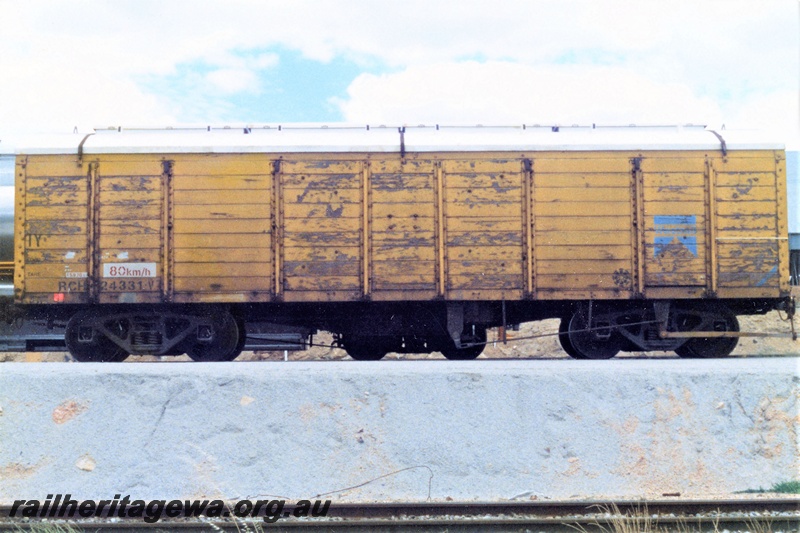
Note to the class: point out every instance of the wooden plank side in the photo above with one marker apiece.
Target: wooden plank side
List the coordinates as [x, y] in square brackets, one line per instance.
[242, 227]
[134, 165]
[583, 180]
[484, 268]
[675, 279]
[55, 242]
[224, 255]
[216, 270]
[578, 209]
[583, 266]
[749, 279]
[320, 225]
[497, 224]
[476, 165]
[132, 227]
[322, 253]
[131, 184]
[746, 180]
[222, 285]
[253, 182]
[322, 283]
[675, 165]
[391, 223]
[745, 194]
[670, 180]
[52, 213]
[571, 238]
[481, 195]
[380, 183]
[394, 165]
[479, 281]
[583, 194]
[403, 196]
[402, 254]
[55, 227]
[609, 223]
[220, 212]
[496, 209]
[499, 183]
[567, 281]
[508, 254]
[129, 255]
[332, 210]
[581, 252]
[321, 268]
[747, 208]
[312, 238]
[674, 193]
[550, 164]
[326, 166]
[760, 162]
[653, 208]
[222, 240]
[320, 182]
[144, 197]
[493, 238]
[128, 212]
[129, 241]
[61, 257]
[221, 165]
[405, 271]
[54, 166]
[293, 197]
[407, 210]
[765, 250]
[222, 197]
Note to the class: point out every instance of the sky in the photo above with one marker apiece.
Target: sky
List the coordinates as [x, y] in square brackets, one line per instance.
[158, 63]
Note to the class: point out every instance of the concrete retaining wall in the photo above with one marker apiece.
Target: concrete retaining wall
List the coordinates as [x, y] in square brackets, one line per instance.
[476, 430]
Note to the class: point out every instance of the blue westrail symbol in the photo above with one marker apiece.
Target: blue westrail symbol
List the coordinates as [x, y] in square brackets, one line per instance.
[674, 232]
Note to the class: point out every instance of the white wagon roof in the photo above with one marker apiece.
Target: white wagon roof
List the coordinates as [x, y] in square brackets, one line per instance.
[387, 139]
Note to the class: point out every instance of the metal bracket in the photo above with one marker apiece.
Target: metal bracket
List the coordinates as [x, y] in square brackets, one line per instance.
[455, 322]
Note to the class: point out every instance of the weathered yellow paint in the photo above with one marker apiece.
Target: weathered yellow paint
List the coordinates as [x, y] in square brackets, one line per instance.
[341, 227]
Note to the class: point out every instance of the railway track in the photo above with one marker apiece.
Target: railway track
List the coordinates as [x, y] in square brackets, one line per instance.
[628, 516]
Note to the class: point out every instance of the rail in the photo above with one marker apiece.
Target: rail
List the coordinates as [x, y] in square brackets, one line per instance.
[771, 514]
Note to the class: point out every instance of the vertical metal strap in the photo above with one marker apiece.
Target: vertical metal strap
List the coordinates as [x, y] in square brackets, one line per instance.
[20, 178]
[277, 231]
[637, 213]
[441, 270]
[167, 218]
[711, 229]
[365, 230]
[93, 234]
[529, 222]
[782, 226]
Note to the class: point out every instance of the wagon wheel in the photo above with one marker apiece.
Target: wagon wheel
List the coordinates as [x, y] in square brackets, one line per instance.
[563, 339]
[473, 337]
[364, 348]
[598, 344]
[224, 340]
[708, 318]
[88, 345]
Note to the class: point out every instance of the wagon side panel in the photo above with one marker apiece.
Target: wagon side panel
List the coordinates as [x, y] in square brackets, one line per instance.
[51, 228]
[583, 208]
[221, 216]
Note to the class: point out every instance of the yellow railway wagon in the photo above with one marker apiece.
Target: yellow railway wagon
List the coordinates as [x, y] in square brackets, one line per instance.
[401, 239]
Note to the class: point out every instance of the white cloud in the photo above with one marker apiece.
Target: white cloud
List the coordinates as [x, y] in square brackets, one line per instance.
[231, 81]
[509, 93]
[554, 61]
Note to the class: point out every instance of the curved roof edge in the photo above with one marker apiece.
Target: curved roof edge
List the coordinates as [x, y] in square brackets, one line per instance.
[348, 139]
